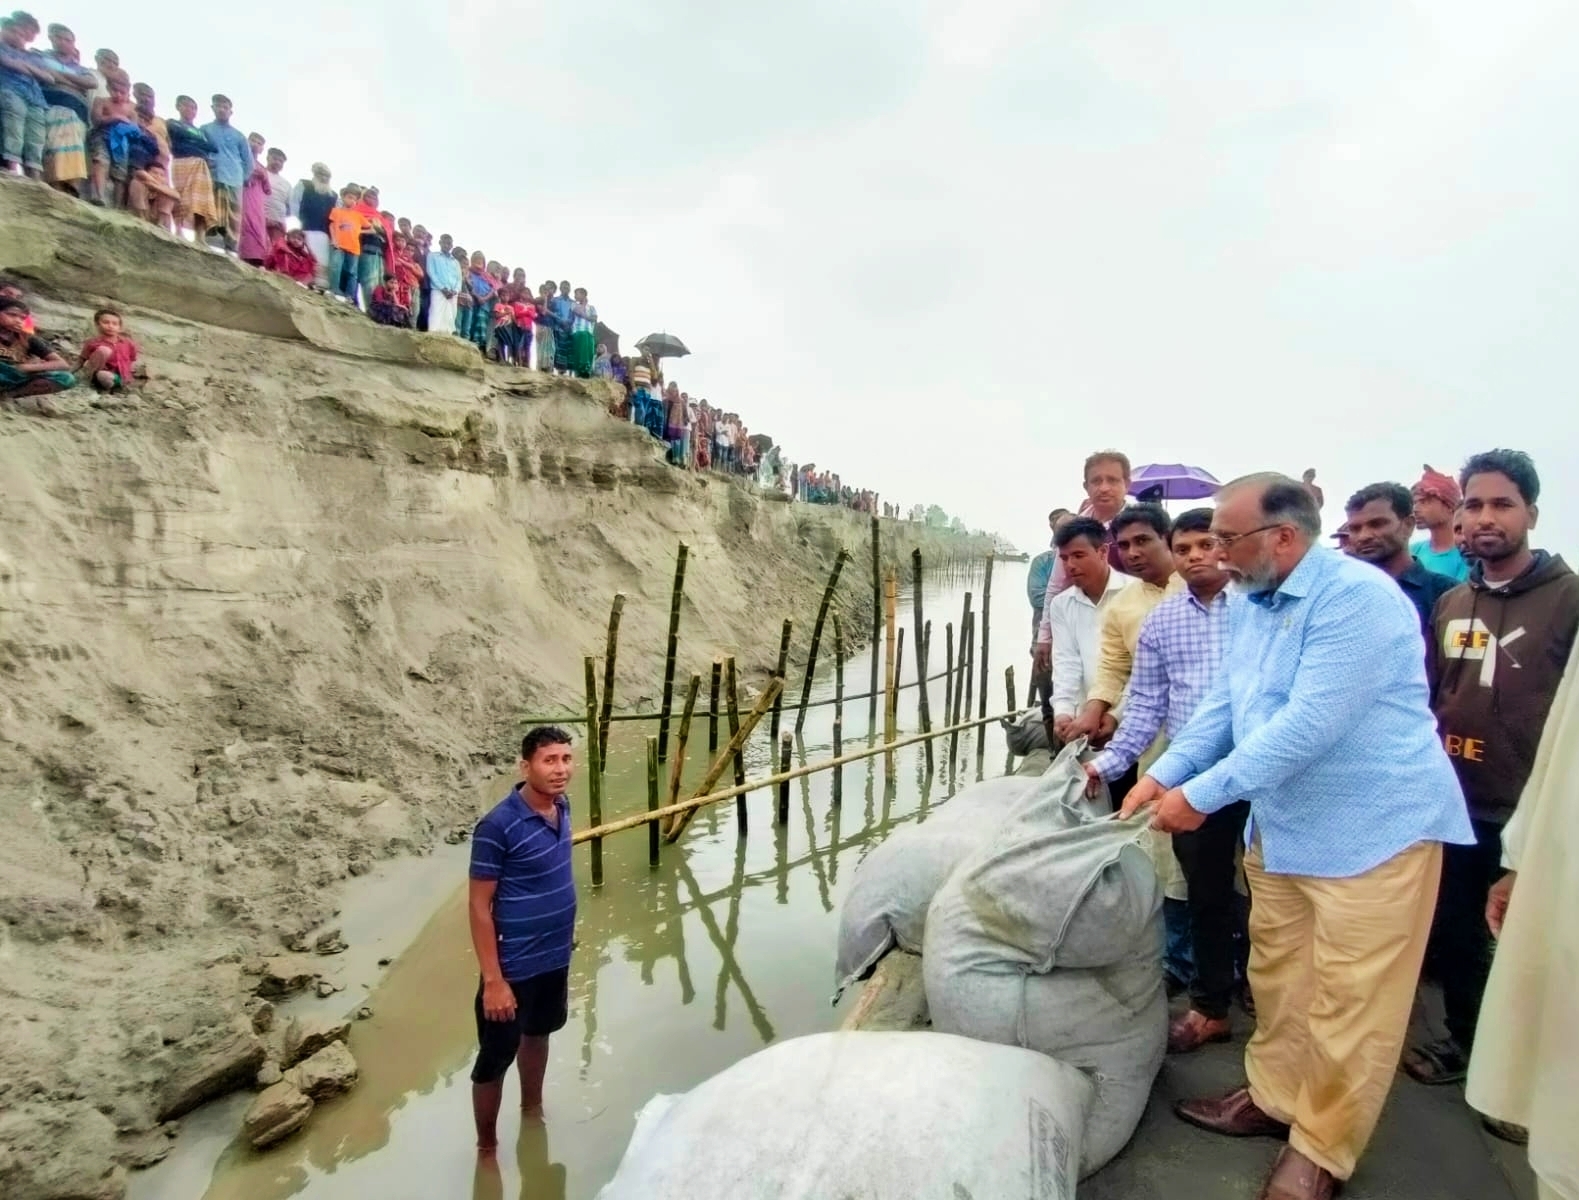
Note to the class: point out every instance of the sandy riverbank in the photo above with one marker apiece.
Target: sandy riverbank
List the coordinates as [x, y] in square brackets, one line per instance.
[265, 627]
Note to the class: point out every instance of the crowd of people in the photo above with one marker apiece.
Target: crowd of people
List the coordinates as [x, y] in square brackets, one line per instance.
[1352, 740]
[92, 133]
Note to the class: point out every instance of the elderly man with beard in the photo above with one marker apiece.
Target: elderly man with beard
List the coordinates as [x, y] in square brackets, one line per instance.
[1320, 718]
[1381, 522]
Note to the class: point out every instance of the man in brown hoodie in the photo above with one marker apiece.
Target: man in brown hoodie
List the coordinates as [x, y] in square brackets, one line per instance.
[1499, 647]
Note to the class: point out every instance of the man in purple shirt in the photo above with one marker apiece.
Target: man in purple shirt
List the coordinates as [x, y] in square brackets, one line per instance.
[522, 905]
[1176, 660]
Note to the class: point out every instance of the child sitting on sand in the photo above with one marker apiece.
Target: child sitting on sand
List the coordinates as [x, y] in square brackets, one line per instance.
[30, 368]
[108, 360]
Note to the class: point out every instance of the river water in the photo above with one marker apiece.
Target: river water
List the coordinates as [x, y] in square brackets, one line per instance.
[679, 971]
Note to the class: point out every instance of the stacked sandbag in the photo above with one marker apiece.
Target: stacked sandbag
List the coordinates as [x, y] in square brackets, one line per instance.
[922, 1116]
[1050, 937]
[886, 904]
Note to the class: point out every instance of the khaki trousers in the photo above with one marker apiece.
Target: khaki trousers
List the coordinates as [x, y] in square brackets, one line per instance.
[1333, 967]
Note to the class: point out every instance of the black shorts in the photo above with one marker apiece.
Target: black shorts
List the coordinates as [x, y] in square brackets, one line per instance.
[542, 1005]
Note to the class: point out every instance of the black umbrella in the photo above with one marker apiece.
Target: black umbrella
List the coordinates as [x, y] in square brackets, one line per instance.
[663, 345]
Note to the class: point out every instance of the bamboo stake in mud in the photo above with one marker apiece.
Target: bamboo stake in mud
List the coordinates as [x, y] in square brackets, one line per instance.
[923, 658]
[899, 669]
[877, 620]
[610, 649]
[654, 839]
[778, 705]
[986, 629]
[838, 669]
[674, 638]
[753, 719]
[816, 634]
[712, 707]
[594, 769]
[677, 766]
[732, 698]
[970, 666]
[786, 744]
[1008, 681]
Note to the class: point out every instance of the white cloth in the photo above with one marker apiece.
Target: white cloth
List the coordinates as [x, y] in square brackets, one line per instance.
[318, 243]
[1076, 626]
[441, 313]
[1525, 1067]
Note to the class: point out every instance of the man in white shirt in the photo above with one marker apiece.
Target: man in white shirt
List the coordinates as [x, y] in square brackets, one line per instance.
[276, 205]
[1074, 615]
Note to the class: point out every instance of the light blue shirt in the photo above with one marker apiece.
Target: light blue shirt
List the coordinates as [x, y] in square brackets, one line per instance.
[444, 272]
[1449, 562]
[232, 161]
[1320, 717]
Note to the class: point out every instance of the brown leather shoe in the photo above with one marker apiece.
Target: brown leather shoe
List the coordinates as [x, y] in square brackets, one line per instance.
[1233, 1115]
[1193, 1030]
[1295, 1177]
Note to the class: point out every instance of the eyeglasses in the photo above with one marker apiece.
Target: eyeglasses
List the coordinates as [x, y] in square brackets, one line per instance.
[1226, 541]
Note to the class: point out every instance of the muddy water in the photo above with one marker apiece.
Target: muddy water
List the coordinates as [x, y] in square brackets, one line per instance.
[679, 971]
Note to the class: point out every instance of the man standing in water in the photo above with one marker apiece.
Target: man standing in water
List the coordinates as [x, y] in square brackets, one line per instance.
[522, 901]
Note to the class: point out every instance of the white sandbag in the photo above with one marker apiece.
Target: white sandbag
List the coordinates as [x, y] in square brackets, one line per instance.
[902, 1115]
[886, 904]
[1051, 937]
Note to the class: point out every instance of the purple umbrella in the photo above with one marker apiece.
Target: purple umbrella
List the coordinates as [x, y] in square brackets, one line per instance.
[1172, 481]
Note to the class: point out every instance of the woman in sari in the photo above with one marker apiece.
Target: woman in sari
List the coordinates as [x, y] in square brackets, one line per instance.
[410, 273]
[254, 245]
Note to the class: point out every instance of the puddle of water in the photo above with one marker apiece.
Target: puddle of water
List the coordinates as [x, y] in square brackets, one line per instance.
[679, 971]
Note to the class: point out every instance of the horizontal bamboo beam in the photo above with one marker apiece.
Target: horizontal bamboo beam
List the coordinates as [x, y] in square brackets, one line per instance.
[696, 802]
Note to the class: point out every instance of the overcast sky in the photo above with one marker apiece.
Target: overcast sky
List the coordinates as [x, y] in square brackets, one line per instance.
[947, 249]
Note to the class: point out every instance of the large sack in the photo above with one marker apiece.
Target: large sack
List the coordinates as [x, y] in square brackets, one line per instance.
[886, 904]
[901, 1115]
[1051, 937]
[1026, 733]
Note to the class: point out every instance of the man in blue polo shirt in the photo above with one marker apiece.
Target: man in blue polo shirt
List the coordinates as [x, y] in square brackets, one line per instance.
[522, 901]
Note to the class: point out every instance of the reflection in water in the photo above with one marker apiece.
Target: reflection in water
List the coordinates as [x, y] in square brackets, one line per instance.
[757, 914]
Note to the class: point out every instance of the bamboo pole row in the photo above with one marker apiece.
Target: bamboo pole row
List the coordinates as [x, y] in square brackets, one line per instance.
[577, 719]
[598, 832]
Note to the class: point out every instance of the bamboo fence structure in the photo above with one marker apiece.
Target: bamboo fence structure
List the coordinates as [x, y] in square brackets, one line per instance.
[816, 633]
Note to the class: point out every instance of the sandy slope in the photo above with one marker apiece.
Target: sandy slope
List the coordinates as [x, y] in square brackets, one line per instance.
[266, 623]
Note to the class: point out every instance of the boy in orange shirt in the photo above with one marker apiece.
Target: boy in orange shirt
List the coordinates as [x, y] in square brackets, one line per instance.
[346, 226]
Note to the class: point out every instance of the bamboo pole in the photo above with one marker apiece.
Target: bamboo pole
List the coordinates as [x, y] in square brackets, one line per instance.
[899, 667]
[890, 616]
[594, 769]
[962, 663]
[786, 744]
[674, 638]
[677, 766]
[970, 665]
[712, 707]
[816, 634]
[610, 649]
[838, 707]
[877, 619]
[783, 665]
[701, 801]
[654, 840]
[986, 629]
[732, 698]
[948, 671]
[1008, 680]
[920, 626]
[753, 718]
